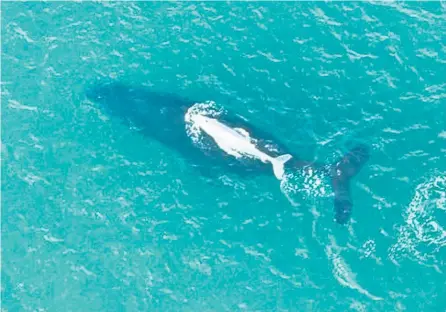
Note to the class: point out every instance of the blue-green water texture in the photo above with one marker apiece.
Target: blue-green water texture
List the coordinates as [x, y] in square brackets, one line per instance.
[96, 216]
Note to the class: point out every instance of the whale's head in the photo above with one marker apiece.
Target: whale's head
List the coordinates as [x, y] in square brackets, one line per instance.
[118, 99]
[138, 103]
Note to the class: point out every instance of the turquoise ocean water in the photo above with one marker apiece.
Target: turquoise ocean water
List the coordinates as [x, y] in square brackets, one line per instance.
[96, 217]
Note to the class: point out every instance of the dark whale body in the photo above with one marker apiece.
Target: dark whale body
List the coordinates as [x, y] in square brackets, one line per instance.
[160, 116]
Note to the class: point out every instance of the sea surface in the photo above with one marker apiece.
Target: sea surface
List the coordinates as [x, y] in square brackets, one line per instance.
[96, 217]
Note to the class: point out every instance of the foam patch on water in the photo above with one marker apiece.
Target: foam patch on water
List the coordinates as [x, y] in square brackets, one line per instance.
[423, 235]
[208, 109]
[342, 272]
[305, 184]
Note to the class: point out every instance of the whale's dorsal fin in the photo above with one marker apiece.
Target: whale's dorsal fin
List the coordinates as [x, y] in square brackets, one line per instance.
[243, 132]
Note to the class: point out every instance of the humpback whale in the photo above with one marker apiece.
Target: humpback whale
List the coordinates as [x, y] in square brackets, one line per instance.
[218, 140]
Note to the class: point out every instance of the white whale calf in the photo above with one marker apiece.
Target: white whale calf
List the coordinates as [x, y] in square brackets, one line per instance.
[238, 143]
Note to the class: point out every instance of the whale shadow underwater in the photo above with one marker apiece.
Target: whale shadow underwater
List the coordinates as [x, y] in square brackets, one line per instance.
[161, 116]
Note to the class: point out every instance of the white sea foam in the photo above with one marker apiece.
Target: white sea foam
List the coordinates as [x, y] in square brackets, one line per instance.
[342, 272]
[209, 109]
[305, 184]
[422, 236]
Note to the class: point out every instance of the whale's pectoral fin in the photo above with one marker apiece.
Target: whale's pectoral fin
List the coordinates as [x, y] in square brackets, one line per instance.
[279, 164]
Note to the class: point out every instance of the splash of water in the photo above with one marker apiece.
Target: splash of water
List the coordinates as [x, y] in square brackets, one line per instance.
[422, 236]
[209, 109]
[306, 183]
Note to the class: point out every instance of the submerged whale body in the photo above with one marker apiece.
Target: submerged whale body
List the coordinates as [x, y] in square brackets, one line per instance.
[227, 142]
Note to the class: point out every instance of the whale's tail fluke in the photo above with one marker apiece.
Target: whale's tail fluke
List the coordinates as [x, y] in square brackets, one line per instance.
[279, 164]
[341, 174]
